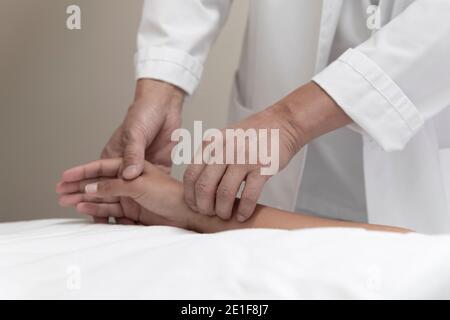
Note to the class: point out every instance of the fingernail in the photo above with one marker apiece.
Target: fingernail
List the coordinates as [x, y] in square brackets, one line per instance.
[130, 171]
[91, 188]
[240, 218]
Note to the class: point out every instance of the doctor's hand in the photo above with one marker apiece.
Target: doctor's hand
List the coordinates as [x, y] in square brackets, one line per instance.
[147, 127]
[306, 113]
[146, 130]
[211, 189]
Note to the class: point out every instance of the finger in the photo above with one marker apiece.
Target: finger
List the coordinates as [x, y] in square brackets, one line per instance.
[250, 195]
[78, 187]
[101, 210]
[64, 187]
[161, 156]
[73, 199]
[99, 220]
[125, 221]
[95, 169]
[135, 144]
[115, 188]
[159, 151]
[190, 177]
[206, 187]
[228, 189]
[113, 149]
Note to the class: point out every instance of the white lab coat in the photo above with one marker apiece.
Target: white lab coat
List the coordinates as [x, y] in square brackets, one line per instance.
[395, 86]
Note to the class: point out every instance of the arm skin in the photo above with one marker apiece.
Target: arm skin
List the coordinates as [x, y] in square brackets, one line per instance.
[311, 113]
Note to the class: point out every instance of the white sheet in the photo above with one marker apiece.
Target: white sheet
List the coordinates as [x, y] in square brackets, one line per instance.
[67, 259]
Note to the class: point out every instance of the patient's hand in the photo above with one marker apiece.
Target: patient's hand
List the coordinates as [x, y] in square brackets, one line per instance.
[95, 189]
[154, 198]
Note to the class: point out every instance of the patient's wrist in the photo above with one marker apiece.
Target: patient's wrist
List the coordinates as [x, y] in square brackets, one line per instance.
[201, 223]
[178, 211]
[210, 224]
[194, 220]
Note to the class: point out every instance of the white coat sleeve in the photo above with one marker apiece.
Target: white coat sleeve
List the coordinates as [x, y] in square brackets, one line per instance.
[398, 79]
[174, 39]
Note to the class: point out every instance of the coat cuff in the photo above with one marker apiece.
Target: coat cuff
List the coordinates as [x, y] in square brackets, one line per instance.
[173, 66]
[372, 99]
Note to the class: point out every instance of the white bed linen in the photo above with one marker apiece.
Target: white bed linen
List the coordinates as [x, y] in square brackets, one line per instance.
[38, 259]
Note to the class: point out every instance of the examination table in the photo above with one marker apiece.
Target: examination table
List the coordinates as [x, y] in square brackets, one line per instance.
[76, 259]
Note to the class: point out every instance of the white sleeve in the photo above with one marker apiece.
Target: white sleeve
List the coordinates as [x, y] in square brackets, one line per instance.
[175, 37]
[391, 84]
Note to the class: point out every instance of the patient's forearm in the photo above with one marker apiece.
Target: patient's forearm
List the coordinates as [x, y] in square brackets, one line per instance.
[264, 217]
[267, 217]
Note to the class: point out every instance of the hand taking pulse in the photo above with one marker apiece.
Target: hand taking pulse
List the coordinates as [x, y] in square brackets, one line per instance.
[211, 189]
[146, 130]
[155, 198]
[303, 115]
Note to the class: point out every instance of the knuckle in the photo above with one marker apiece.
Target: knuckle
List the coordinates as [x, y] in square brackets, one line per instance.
[190, 201]
[249, 199]
[101, 170]
[202, 188]
[131, 155]
[223, 192]
[131, 134]
[104, 187]
[255, 174]
[189, 175]
[96, 199]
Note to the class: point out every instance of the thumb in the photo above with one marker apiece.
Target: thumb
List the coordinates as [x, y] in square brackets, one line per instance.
[112, 188]
[134, 153]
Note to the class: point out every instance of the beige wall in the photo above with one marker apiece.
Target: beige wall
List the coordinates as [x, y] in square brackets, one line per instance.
[63, 92]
